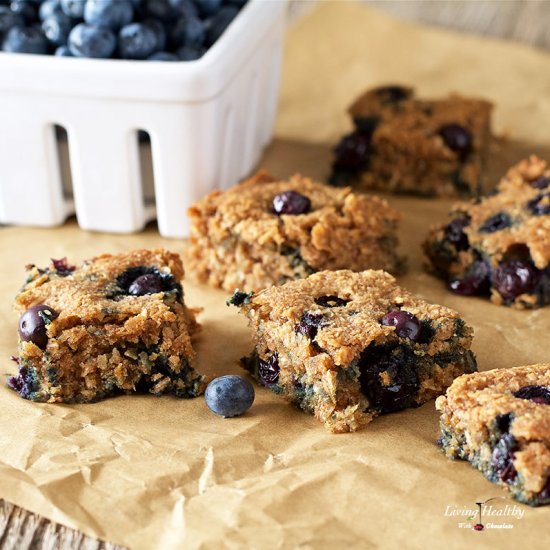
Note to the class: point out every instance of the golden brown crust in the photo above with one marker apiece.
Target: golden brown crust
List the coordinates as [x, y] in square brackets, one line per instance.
[103, 339]
[238, 242]
[409, 156]
[474, 401]
[329, 364]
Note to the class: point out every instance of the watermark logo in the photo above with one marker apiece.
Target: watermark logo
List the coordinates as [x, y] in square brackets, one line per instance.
[492, 513]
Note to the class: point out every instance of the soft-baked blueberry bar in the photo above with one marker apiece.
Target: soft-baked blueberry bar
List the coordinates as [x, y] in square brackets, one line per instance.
[499, 245]
[499, 421]
[116, 323]
[348, 346]
[263, 232]
[403, 144]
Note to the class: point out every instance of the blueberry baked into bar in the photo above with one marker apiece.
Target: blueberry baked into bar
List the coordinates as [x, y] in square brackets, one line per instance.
[348, 346]
[263, 232]
[499, 246]
[499, 421]
[403, 144]
[117, 323]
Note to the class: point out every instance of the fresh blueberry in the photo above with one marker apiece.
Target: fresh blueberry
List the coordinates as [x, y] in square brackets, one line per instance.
[540, 206]
[330, 301]
[56, 29]
[137, 41]
[190, 54]
[49, 8]
[229, 395]
[541, 183]
[502, 458]
[476, 282]
[160, 32]
[495, 223]
[388, 377]
[353, 151]
[187, 32]
[515, 277]
[63, 51]
[91, 41]
[291, 203]
[537, 394]
[25, 40]
[268, 371]
[28, 9]
[163, 56]
[454, 233]
[208, 7]
[150, 283]
[112, 15]
[73, 8]
[219, 22]
[309, 324]
[159, 9]
[8, 19]
[457, 138]
[392, 94]
[405, 323]
[32, 324]
[185, 8]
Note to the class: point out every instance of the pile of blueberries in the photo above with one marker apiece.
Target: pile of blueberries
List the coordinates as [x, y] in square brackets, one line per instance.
[155, 30]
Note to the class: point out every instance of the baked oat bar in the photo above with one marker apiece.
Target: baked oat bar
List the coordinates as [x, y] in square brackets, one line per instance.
[402, 144]
[499, 245]
[499, 421]
[263, 232]
[349, 346]
[117, 323]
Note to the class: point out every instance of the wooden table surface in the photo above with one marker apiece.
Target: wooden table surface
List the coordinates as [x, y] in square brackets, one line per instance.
[522, 20]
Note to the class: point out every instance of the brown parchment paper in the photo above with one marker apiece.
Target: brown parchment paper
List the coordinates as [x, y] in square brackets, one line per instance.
[164, 473]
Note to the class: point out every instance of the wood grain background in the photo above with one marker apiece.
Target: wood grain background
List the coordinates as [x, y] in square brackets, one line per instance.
[522, 20]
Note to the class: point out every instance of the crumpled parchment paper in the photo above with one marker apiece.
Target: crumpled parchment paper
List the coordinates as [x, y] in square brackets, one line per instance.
[165, 473]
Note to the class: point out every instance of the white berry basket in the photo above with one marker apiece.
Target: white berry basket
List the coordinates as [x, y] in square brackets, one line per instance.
[208, 122]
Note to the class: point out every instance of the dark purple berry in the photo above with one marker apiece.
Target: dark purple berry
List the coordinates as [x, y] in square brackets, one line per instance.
[541, 183]
[62, 267]
[330, 301]
[476, 282]
[497, 222]
[540, 206]
[502, 458]
[405, 323]
[515, 277]
[457, 138]
[149, 283]
[454, 233]
[479, 527]
[393, 94]
[366, 124]
[545, 493]
[537, 394]
[33, 323]
[503, 421]
[388, 377]
[291, 203]
[268, 371]
[309, 324]
[352, 153]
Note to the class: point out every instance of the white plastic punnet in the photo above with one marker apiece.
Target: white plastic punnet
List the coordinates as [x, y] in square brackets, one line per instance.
[208, 122]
